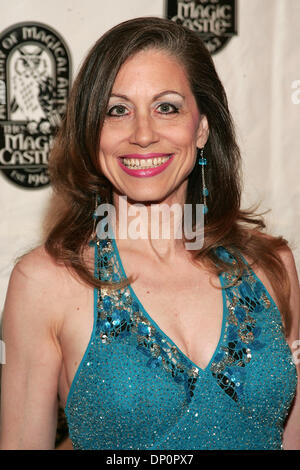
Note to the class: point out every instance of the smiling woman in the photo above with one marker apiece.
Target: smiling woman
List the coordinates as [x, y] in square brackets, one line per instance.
[160, 115]
[149, 344]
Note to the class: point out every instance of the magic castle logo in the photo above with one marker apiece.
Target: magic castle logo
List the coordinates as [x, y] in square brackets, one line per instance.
[214, 20]
[34, 88]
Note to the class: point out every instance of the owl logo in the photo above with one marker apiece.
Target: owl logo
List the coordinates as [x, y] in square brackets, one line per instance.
[35, 72]
[33, 91]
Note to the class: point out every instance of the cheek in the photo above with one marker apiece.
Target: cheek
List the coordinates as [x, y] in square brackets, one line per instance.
[185, 132]
[105, 150]
[110, 137]
[105, 144]
[194, 126]
[186, 135]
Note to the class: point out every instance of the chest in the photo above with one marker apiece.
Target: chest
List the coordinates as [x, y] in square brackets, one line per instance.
[187, 307]
[184, 304]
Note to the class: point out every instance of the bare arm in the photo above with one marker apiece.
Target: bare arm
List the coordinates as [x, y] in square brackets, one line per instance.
[33, 358]
[291, 436]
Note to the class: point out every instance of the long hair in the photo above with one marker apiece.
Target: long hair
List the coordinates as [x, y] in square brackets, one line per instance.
[77, 179]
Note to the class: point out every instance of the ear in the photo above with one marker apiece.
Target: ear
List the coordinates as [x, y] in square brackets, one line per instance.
[202, 132]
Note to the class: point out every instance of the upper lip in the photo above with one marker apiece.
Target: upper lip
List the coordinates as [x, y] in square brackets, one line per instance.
[145, 155]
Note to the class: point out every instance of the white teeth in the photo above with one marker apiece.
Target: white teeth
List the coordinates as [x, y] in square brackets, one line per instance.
[144, 163]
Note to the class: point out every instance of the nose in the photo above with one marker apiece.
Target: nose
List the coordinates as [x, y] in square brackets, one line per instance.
[144, 132]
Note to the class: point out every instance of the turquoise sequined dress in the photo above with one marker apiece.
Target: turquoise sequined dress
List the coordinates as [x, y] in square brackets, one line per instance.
[135, 389]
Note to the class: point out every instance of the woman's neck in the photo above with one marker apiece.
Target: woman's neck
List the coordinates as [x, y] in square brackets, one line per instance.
[153, 227]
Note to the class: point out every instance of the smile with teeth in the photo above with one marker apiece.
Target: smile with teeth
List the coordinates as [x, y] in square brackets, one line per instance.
[144, 163]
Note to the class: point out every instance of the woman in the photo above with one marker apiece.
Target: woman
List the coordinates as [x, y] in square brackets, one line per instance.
[160, 357]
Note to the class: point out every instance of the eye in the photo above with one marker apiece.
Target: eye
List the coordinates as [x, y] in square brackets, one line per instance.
[167, 108]
[117, 110]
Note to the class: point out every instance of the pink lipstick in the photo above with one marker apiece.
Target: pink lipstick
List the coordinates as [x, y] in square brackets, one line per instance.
[132, 168]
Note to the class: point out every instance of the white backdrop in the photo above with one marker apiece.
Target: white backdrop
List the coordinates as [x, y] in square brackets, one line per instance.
[258, 68]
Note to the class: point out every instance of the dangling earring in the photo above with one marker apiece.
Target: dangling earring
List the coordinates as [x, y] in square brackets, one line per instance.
[97, 201]
[203, 162]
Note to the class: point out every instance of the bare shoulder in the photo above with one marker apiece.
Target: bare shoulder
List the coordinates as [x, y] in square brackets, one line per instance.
[37, 265]
[37, 286]
[38, 268]
[288, 260]
[287, 257]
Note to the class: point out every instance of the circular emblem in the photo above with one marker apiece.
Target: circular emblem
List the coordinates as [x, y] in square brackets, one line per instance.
[213, 20]
[34, 87]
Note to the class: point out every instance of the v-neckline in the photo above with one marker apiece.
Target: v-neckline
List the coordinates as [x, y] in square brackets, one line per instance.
[167, 337]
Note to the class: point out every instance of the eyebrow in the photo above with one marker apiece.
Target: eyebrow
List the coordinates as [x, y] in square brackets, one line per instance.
[159, 95]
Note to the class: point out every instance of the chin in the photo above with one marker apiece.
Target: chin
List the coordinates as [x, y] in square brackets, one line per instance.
[145, 198]
[145, 195]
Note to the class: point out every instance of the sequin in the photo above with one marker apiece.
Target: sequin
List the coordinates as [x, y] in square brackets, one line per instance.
[116, 321]
[135, 389]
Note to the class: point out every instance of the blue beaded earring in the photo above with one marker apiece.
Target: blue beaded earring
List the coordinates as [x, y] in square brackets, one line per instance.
[203, 162]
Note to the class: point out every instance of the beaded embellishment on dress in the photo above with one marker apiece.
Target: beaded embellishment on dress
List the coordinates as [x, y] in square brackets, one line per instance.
[120, 315]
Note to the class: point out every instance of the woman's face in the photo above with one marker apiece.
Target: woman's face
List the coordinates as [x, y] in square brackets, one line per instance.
[151, 130]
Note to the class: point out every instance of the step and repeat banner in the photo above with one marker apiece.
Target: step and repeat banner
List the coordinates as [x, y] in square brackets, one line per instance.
[255, 46]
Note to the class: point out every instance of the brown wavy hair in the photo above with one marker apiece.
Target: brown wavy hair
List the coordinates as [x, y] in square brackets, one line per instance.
[76, 177]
